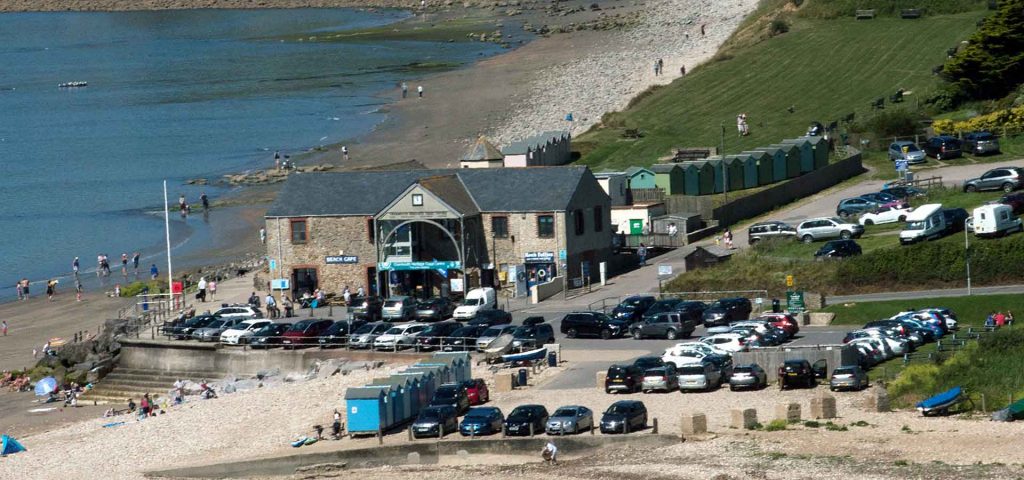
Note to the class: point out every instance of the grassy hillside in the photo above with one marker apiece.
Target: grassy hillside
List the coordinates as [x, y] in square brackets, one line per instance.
[970, 310]
[823, 69]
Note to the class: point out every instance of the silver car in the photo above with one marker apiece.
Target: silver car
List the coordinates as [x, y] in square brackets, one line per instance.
[827, 228]
[491, 334]
[398, 308]
[699, 376]
[366, 334]
[1006, 179]
[748, 376]
[570, 419]
[906, 150]
[849, 378]
[211, 332]
[661, 379]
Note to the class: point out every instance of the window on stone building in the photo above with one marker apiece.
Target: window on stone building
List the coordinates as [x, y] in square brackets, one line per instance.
[369, 230]
[499, 227]
[579, 221]
[546, 226]
[598, 219]
[300, 232]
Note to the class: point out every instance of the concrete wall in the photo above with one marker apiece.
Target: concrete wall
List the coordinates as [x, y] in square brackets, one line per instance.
[770, 358]
[325, 236]
[542, 291]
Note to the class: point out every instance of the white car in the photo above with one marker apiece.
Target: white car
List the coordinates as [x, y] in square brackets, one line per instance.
[238, 311]
[732, 342]
[240, 333]
[704, 348]
[886, 214]
[876, 344]
[680, 356]
[399, 336]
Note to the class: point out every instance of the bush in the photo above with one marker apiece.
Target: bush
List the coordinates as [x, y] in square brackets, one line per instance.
[992, 64]
[833, 427]
[1011, 118]
[777, 27]
[812, 424]
[135, 288]
[776, 425]
[890, 123]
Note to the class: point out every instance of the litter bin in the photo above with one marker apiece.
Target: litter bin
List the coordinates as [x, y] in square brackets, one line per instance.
[521, 381]
[552, 359]
[776, 308]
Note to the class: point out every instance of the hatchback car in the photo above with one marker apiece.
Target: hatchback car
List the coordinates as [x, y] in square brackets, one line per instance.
[364, 336]
[623, 378]
[1006, 179]
[399, 337]
[268, 336]
[727, 310]
[838, 249]
[800, 373]
[339, 333]
[435, 422]
[730, 342]
[477, 391]
[981, 143]
[570, 419]
[943, 147]
[241, 332]
[624, 416]
[767, 230]
[431, 336]
[699, 376]
[853, 206]
[532, 336]
[305, 332]
[438, 308]
[825, 228]
[526, 420]
[906, 150]
[660, 379]
[632, 309]
[212, 331]
[398, 308]
[482, 421]
[577, 324]
[451, 395]
[748, 376]
[491, 317]
[463, 339]
[367, 308]
[849, 378]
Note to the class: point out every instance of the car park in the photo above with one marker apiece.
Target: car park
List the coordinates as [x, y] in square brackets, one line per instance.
[338, 334]
[885, 214]
[981, 143]
[660, 379]
[182, 331]
[241, 332]
[451, 395]
[906, 150]
[578, 324]
[624, 416]
[943, 147]
[1006, 179]
[434, 309]
[304, 332]
[632, 309]
[663, 325]
[431, 336]
[853, 206]
[477, 391]
[727, 310]
[482, 421]
[367, 308]
[532, 336]
[463, 339]
[268, 336]
[526, 420]
[434, 422]
[570, 419]
[492, 334]
[750, 376]
[365, 335]
[623, 378]
[699, 376]
[768, 230]
[399, 337]
[838, 249]
[800, 373]
[849, 377]
[815, 229]
[212, 331]
[491, 317]
[398, 308]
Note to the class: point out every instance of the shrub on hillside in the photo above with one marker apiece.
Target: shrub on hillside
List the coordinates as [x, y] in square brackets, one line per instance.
[1012, 119]
[991, 65]
[777, 27]
[889, 123]
[848, 8]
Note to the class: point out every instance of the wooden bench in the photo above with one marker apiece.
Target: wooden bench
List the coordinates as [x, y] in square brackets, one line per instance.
[687, 154]
[632, 133]
[865, 14]
[909, 13]
[878, 104]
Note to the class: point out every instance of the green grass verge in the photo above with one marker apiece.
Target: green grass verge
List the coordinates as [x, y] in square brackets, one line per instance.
[970, 310]
[823, 68]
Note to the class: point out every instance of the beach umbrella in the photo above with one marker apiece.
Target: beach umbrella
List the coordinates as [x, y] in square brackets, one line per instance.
[45, 386]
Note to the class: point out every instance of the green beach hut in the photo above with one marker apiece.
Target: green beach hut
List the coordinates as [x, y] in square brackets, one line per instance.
[397, 397]
[749, 168]
[763, 162]
[699, 177]
[718, 173]
[669, 177]
[736, 172]
[640, 178]
[806, 153]
[792, 158]
[778, 162]
[820, 146]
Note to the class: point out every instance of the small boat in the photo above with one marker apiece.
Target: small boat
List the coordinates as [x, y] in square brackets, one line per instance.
[72, 84]
[499, 347]
[299, 442]
[310, 441]
[530, 356]
[941, 403]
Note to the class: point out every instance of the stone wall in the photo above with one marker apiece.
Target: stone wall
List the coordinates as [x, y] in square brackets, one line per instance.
[325, 236]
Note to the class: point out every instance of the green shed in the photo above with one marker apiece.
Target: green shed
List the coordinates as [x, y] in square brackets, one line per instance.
[718, 173]
[820, 146]
[778, 162]
[736, 173]
[792, 158]
[669, 177]
[749, 168]
[699, 177]
[763, 162]
[806, 153]
[640, 178]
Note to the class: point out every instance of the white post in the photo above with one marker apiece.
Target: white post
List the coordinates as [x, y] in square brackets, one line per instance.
[604, 272]
[967, 255]
[167, 234]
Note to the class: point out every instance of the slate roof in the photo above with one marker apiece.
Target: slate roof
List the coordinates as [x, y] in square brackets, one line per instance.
[482, 150]
[534, 142]
[531, 189]
[664, 167]
[633, 170]
[451, 191]
[358, 393]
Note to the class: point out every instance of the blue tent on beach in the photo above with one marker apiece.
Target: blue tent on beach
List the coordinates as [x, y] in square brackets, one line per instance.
[45, 386]
[9, 445]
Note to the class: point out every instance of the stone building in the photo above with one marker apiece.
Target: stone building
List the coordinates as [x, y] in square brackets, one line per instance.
[483, 154]
[438, 231]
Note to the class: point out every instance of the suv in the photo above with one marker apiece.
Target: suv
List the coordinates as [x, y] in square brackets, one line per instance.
[1006, 179]
[533, 336]
[664, 325]
[800, 372]
[699, 376]
[838, 249]
[244, 312]
[624, 416]
[906, 150]
[632, 309]
[365, 307]
[943, 147]
[766, 230]
[623, 378]
[592, 323]
[981, 142]
[727, 310]
[451, 395]
[955, 218]
[825, 228]
[399, 308]
[853, 206]
[848, 378]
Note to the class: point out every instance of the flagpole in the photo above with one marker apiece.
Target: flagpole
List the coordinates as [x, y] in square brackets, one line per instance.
[167, 234]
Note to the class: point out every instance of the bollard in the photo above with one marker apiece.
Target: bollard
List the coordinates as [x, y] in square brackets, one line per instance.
[531, 426]
[654, 426]
[906, 358]
[440, 431]
[625, 427]
[330, 310]
[380, 437]
[411, 438]
[592, 429]
[983, 409]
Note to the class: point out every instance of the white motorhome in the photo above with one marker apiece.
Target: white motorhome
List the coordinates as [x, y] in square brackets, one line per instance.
[924, 223]
[476, 300]
[995, 220]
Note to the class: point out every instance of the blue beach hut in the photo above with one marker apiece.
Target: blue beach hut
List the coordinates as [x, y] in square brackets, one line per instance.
[763, 163]
[820, 146]
[442, 370]
[366, 409]
[792, 158]
[460, 361]
[417, 395]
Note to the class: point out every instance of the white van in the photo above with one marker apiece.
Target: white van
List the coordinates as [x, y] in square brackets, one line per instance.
[476, 300]
[925, 223]
[994, 220]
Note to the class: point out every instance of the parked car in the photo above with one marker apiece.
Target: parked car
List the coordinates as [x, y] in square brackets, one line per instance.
[730, 342]
[943, 147]
[885, 214]
[784, 321]
[1006, 179]
[491, 317]
[399, 308]
[1014, 200]
[366, 334]
[577, 324]
[662, 306]
[437, 308]
[245, 312]
[699, 376]
[660, 379]
[850, 377]
[433, 422]
[825, 228]
[624, 416]
[906, 150]
[476, 301]
[477, 391]
[664, 325]
[853, 206]
[981, 143]
[838, 249]
[241, 332]
[305, 332]
[748, 376]
[339, 333]
[211, 332]
[623, 378]
[431, 336]
[570, 419]
[995, 220]
[463, 339]
[902, 192]
[632, 309]
[800, 372]
[648, 361]
[523, 417]
[451, 395]
[726, 310]
[367, 308]
[884, 199]
[399, 337]
[184, 330]
[955, 219]
[533, 336]
[492, 334]
[767, 230]
[268, 336]
[692, 311]
[482, 421]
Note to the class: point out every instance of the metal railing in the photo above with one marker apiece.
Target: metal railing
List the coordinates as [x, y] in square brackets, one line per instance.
[469, 344]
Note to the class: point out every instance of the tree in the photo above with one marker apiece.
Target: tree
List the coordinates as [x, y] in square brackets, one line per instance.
[991, 65]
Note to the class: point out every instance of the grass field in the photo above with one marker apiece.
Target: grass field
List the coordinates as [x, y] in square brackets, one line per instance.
[969, 310]
[823, 69]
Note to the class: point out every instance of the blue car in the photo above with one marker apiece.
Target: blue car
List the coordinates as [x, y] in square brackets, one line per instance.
[853, 206]
[482, 421]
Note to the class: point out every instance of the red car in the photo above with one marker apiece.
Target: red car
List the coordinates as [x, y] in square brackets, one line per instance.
[476, 390]
[304, 332]
[784, 321]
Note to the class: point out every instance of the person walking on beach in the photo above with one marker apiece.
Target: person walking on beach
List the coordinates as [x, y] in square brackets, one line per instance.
[661, 66]
[656, 68]
[135, 263]
[154, 272]
[211, 288]
[263, 235]
[74, 266]
[181, 202]
[124, 265]
[201, 294]
[205, 201]
[78, 289]
[3, 327]
[419, 90]
[344, 153]
[21, 290]
[405, 90]
[24, 288]
[702, 28]
[51, 289]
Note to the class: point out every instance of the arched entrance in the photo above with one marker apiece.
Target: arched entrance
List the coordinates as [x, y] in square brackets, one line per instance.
[419, 257]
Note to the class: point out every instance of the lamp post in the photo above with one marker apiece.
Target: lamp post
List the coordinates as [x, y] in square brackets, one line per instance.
[725, 169]
[967, 254]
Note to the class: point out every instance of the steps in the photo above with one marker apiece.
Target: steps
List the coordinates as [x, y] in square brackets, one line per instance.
[124, 383]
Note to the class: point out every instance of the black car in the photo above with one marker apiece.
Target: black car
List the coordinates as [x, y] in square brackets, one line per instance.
[433, 309]
[643, 363]
[268, 336]
[430, 338]
[491, 317]
[195, 323]
[624, 416]
[451, 395]
[597, 324]
[942, 147]
[337, 335]
[533, 336]
[838, 249]
[669, 325]
[692, 310]
[801, 373]
[980, 143]
[522, 417]
[727, 310]
[434, 422]
[366, 308]
[632, 309]
[903, 193]
[463, 339]
[623, 378]
[955, 218]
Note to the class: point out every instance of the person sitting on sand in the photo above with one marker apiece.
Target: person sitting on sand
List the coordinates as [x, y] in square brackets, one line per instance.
[550, 453]
[131, 405]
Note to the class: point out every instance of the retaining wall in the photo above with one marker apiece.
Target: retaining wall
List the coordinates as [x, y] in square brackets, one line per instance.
[770, 358]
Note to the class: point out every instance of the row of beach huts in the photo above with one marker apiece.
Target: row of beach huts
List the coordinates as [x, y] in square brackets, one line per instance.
[389, 402]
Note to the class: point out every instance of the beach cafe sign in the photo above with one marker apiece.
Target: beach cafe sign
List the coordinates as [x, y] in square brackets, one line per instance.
[341, 259]
[432, 265]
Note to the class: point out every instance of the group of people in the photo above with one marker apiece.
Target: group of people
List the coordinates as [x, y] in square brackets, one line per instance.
[186, 209]
[103, 265]
[999, 319]
[15, 382]
[206, 289]
[741, 125]
[659, 67]
[405, 90]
